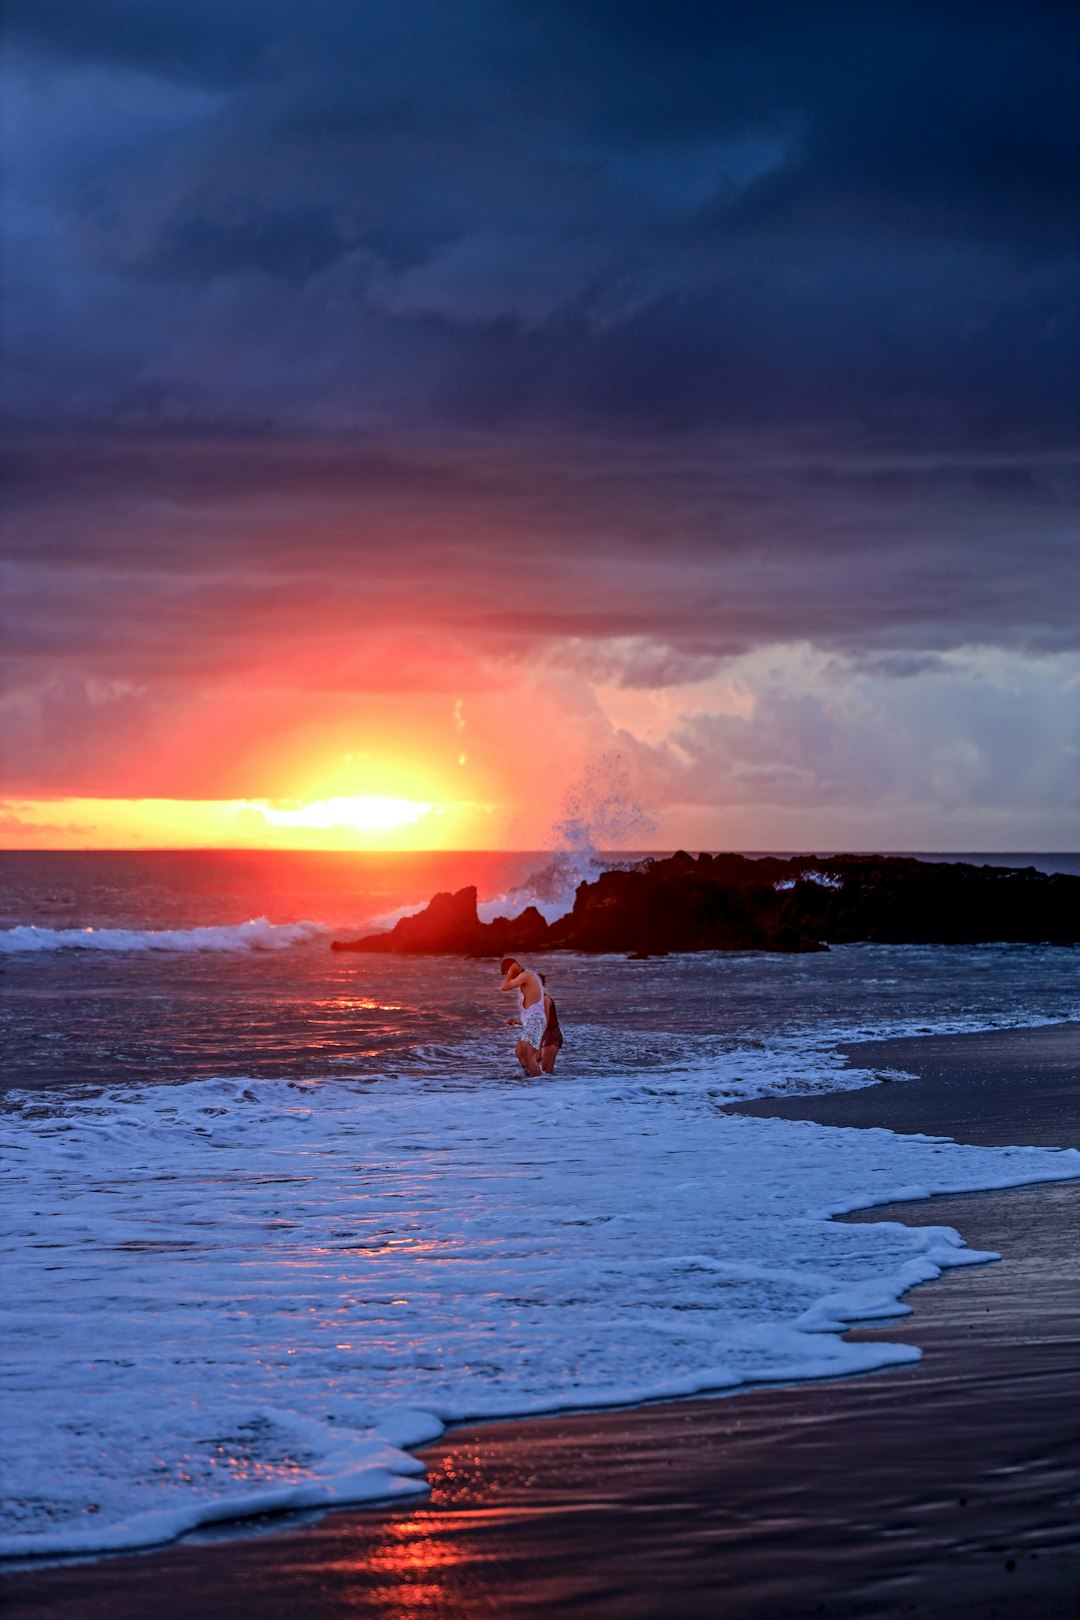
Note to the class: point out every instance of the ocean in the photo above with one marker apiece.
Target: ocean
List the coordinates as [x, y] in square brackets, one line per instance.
[275, 1216]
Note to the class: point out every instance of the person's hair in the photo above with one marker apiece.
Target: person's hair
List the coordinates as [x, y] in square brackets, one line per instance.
[507, 963]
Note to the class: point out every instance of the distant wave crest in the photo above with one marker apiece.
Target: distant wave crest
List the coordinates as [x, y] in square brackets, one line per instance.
[259, 934]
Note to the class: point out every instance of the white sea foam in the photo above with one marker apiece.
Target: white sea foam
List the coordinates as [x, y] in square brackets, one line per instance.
[228, 1297]
[257, 935]
[823, 880]
[552, 887]
[598, 812]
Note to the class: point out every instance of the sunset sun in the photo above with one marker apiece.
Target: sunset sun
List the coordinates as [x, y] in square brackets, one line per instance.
[369, 813]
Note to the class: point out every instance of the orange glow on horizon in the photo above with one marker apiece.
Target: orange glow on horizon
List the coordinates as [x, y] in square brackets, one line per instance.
[289, 768]
[369, 813]
[369, 821]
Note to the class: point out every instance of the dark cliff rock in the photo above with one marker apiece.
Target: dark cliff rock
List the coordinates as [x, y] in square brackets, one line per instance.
[733, 903]
[896, 900]
[679, 905]
[449, 926]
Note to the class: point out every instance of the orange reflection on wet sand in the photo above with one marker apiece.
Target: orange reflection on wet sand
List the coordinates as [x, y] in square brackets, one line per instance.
[410, 1566]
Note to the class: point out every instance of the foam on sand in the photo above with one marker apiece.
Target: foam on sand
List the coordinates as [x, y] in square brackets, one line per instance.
[230, 1297]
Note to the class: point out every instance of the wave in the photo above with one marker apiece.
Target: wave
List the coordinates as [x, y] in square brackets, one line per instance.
[598, 812]
[258, 934]
[823, 880]
[485, 1256]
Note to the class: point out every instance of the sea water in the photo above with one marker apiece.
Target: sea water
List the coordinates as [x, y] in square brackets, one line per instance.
[274, 1216]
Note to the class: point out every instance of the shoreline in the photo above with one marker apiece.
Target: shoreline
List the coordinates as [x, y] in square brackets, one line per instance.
[939, 1488]
[959, 1088]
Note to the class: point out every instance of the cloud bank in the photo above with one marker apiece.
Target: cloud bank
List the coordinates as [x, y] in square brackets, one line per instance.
[363, 359]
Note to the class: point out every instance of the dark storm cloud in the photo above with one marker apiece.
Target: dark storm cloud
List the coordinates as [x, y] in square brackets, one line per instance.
[560, 214]
[199, 41]
[737, 325]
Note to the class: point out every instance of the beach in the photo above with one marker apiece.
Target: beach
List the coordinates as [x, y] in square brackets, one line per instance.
[540, 812]
[590, 488]
[950, 1486]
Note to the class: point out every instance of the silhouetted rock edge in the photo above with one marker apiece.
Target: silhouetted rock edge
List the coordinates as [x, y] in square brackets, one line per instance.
[739, 903]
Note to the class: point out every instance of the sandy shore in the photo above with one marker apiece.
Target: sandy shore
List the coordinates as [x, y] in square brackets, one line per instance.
[947, 1488]
[998, 1087]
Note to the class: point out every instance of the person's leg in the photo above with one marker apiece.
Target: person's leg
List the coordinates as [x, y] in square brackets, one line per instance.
[548, 1054]
[529, 1058]
[532, 1035]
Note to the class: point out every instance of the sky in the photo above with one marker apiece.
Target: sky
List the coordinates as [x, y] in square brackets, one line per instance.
[443, 407]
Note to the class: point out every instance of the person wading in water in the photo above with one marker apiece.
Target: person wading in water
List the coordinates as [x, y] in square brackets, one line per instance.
[541, 1036]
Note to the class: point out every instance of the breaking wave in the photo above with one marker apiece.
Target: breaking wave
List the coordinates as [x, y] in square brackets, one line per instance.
[258, 934]
[178, 1354]
[823, 880]
[598, 812]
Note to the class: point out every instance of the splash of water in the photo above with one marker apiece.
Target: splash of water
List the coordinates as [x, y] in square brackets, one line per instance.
[598, 812]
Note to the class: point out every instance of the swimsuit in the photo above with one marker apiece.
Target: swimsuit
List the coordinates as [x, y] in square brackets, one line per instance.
[533, 1018]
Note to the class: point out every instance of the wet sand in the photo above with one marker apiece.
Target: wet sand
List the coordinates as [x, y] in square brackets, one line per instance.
[997, 1088]
[948, 1488]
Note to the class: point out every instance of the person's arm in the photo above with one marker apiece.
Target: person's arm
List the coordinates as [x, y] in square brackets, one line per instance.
[511, 982]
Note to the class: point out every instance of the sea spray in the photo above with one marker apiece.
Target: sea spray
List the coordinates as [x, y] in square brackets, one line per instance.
[598, 813]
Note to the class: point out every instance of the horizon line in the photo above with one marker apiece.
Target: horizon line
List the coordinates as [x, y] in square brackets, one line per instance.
[299, 849]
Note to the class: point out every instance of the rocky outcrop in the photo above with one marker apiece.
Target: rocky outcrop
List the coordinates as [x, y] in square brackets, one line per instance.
[734, 903]
[681, 904]
[449, 926]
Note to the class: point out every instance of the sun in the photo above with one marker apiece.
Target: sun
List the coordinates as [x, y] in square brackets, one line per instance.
[371, 813]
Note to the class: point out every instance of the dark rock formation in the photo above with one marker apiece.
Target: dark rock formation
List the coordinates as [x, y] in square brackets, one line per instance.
[449, 926]
[681, 905]
[733, 903]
